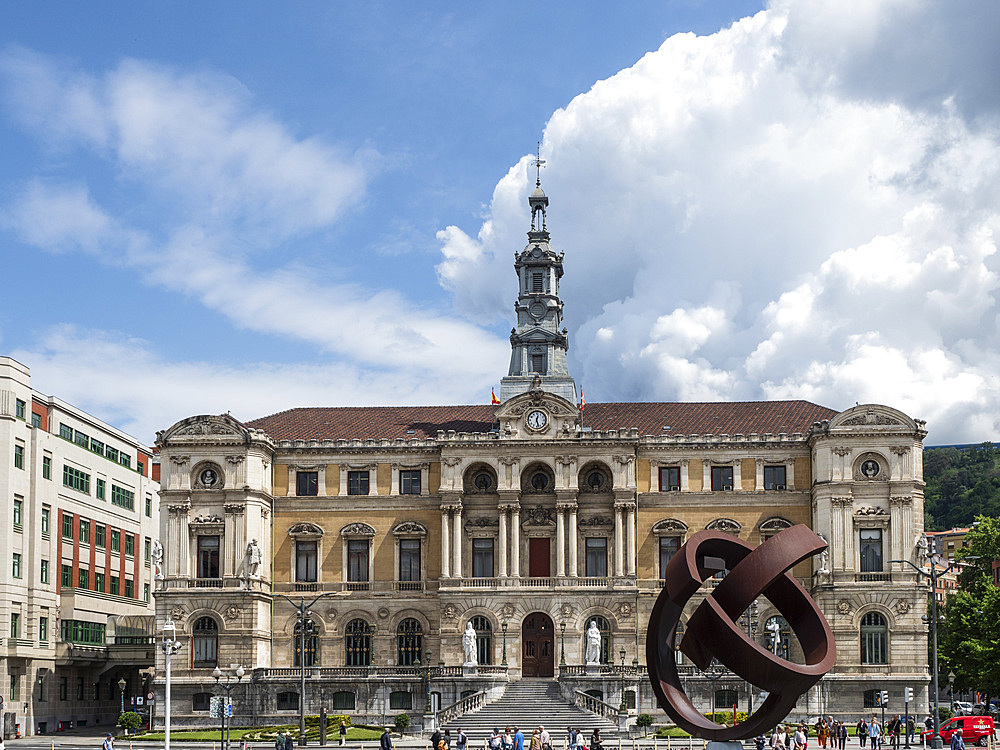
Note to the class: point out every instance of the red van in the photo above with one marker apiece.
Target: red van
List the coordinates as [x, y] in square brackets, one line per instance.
[976, 730]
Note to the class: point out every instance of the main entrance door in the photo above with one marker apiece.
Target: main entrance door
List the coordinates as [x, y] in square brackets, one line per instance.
[537, 646]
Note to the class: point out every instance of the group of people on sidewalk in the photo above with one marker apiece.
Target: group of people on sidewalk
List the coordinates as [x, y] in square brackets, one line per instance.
[835, 733]
[512, 738]
[879, 735]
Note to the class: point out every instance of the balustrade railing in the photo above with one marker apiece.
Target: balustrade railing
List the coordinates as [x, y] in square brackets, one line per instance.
[596, 705]
[463, 706]
[388, 671]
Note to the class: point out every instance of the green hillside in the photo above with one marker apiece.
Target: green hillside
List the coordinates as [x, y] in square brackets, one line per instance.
[961, 484]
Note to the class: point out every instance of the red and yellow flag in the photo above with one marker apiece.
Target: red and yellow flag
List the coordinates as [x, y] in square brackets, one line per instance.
[494, 400]
[582, 402]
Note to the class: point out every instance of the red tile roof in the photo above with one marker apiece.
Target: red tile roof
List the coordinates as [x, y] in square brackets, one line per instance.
[390, 422]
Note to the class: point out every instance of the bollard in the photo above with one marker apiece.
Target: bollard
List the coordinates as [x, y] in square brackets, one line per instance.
[322, 726]
[619, 742]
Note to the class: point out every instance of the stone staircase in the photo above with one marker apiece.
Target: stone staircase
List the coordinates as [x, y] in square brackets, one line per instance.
[529, 703]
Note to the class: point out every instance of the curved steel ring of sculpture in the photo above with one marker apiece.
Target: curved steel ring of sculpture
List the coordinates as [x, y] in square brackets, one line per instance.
[712, 630]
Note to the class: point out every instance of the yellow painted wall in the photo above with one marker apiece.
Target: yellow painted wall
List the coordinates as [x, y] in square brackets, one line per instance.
[279, 480]
[803, 473]
[748, 474]
[695, 475]
[383, 478]
[434, 478]
[642, 475]
[333, 479]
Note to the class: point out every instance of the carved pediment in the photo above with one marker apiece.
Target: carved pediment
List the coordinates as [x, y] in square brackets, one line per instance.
[775, 524]
[305, 528]
[204, 428]
[409, 527]
[358, 529]
[727, 525]
[876, 418]
[538, 516]
[670, 526]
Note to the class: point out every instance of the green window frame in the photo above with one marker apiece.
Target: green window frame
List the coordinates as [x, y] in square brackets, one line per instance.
[15, 567]
[111, 453]
[129, 545]
[18, 456]
[122, 497]
[83, 578]
[99, 531]
[129, 588]
[81, 439]
[98, 581]
[46, 467]
[101, 484]
[65, 432]
[46, 519]
[76, 479]
[147, 549]
[66, 576]
[43, 629]
[145, 592]
[43, 571]
[149, 506]
[116, 537]
[20, 409]
[15, 630]
[36, 419]
[84, 531]
[67, 525]
[113, 588]
[18, 512]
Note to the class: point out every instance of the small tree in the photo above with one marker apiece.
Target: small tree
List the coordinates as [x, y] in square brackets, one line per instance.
[130, 721]
[402, 721]
[644, 721]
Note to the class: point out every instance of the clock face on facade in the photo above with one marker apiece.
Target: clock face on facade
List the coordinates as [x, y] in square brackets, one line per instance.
[537, 419]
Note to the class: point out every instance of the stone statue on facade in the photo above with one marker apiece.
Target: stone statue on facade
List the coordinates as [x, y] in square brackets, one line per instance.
[593, 654]
[253, 558]
[157, 556]
[469, 645]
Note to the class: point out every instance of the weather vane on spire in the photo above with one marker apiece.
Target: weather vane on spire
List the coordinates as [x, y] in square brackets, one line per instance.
[539, 162]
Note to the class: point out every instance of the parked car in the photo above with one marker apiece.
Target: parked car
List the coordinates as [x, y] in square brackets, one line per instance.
[962, 708]
[975, 730]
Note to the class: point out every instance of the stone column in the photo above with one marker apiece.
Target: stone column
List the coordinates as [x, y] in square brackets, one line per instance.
[515, 542]
[573, 568]
[759, 481]
[560, 542]
[445, 551]
[737, 475]
[503, 541]
[394, 480]
[706, 475]
[790, 475]
[619, 552]
[456, 563]
[684, 474]
[630, 536]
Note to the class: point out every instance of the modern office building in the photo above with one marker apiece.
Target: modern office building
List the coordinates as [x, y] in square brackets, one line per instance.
[77, 523]
[399, 528]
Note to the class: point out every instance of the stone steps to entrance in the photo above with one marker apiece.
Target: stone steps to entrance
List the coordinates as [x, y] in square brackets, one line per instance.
[529, 703]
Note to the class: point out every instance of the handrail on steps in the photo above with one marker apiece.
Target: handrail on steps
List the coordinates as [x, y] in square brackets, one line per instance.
[462, 706]
[596, 705]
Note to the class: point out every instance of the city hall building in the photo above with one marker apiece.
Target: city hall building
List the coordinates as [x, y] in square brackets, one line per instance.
[397, 527]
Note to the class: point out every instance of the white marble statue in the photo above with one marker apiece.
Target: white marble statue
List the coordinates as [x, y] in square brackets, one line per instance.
[157, 555]
[253, 558]
[593, 643]
[469, 645]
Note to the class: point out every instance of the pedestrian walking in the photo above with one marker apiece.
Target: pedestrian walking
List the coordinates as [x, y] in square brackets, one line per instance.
[874, 734]
[544, 738]
[507, 741]
[289, 742]
[436, 739]
[862, 731]
[957, 743]
[579, 740]
[779, 739]
[385, 741]
[842, 735]
[518, 738]
[799, 738]
[595, 739]
[493, 743]
[109, 742]
[343, 734]
[461, 740]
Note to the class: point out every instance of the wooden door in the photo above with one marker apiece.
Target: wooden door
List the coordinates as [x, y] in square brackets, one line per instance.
[539, 565]
[538, 646]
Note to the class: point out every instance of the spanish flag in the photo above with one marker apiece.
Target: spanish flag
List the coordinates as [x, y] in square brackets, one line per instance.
[582, 402]
[494, 400]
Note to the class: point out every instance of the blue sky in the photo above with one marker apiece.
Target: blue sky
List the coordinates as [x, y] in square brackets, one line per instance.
[254, 206]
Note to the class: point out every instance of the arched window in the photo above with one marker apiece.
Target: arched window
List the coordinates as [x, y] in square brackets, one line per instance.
[484, 639]
[605, 627]
[409, 642]
[726, 698]
[312, 646]
[357, 643]
[205, 643]
[874, 639]
[778, 636]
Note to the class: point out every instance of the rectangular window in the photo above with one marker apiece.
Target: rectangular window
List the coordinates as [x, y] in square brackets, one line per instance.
[125, 460]
[307, 483]
[15, 569]
[537, 282]
[46, 467]
[129, 545]
[79, 688]
[100, 489]
[145, 592]
[15, 625]
[67, 526]
[43, 629]
[46, 517]
[66, 576]
[36, 419]
[98, 581]
[147, 549]
[113, 586]
[208, 556]
[64, 686]
[80, 439]
[84, 532]
[774, 477]
[65, 432]
[122, 497]
[140, 467]
[670, 479]
[116, 543]
[18, 456]
[83, 578]
[871, 550]
[18, 513]
[409, 559]
[97, 447]
[76, 479]
[149, 506]
[43, 571]
[99, 531]
[129, 588]
[357, 482]
[111, 453]
[305, 561]
[668, 548]
[409, 482]
[357, 560]
[20, 409]
[722, 478]
[538, 363]
[482, 558]
[597, 557]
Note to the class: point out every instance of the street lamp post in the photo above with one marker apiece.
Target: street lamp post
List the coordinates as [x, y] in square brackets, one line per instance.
[228, 686]
[303, 614]
[715, 671]
[170, 646]
[121, 689]
[933, 574]
[562, 643]
[503, 628]
[622, 708]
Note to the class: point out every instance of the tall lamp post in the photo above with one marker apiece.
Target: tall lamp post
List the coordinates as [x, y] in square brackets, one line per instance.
[932, 573]
[303, 615]
[562, 643]
[503, 628]
[170, 646]
[622, 708]
[228, 686]
[121, 689]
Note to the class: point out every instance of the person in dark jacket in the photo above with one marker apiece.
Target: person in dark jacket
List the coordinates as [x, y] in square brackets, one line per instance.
[385, 741]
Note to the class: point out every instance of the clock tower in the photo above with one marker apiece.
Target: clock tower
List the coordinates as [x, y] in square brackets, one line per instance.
[539, 341]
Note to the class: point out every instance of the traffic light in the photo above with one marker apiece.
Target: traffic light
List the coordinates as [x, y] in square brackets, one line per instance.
[883, 698]
[907, 695]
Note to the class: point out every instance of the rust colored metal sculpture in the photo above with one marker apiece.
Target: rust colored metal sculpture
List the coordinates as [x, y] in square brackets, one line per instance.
[712, 630]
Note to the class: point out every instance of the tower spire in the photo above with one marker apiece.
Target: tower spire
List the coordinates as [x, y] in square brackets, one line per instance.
[539, 162]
